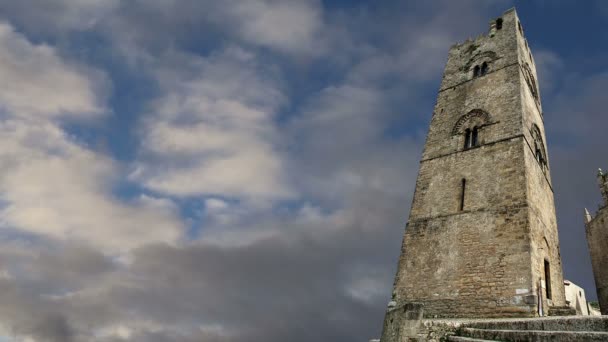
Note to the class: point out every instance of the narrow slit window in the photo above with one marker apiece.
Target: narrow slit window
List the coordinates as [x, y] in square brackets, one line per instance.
[467, 138]
[547, 279]
[463, 188]
[476, 71]
[499, 23]
[484, 68]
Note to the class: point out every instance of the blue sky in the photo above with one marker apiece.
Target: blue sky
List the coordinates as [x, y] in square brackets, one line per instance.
[187, 170]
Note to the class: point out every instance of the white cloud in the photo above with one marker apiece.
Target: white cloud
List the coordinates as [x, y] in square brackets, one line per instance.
[50, 185]
[36, 82]
[212, 133]
[291, 26]
[55, 188]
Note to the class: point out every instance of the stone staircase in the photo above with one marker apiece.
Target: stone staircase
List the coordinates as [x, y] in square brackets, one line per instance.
[554, 329]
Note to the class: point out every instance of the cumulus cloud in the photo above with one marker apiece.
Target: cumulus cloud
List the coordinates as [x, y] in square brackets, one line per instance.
[53, 186]
[290, 26]
[37, 82]
[213, 132]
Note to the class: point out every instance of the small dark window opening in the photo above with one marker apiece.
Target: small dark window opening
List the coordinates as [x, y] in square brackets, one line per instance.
[474, 137]
[463, 187]
[476, 71]
[499, 23]
[547, 279]
[471, 137]
[467, 138]
[484, 68]
[539, 156]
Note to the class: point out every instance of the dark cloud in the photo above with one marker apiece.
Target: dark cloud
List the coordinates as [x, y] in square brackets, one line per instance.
[326, 275]
[28, 315]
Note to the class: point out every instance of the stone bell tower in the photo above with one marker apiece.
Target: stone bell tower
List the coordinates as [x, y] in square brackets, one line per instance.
[481, 240]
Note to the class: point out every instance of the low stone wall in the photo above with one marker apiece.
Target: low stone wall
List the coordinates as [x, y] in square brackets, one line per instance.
[402, 322]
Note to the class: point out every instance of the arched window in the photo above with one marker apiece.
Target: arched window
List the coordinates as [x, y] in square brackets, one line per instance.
[499, 23]
[484, 68]
[468, 128]
[529, 76]
[540, 154]
[476, 71]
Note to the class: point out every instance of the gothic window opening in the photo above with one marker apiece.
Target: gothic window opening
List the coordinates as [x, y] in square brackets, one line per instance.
[484, 68]
[463, 187]
[476, 71]
[499, 23]
[547, 279]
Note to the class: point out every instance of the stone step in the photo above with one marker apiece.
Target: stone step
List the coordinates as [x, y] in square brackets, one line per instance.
[454, 338]
[562, 311]
[578, 323]
[534, 335]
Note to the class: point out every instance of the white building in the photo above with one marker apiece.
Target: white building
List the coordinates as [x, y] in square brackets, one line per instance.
[575, 298]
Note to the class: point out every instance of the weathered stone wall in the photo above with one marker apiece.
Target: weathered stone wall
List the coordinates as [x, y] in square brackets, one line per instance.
[597, 238]
[485, 258]
[543, 224]
[470, 263]
[543, 233]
